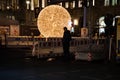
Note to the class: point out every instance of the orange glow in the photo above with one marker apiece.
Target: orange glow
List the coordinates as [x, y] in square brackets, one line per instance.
[52, 19]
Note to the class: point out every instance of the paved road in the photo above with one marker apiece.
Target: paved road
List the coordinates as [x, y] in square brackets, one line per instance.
[16, 66]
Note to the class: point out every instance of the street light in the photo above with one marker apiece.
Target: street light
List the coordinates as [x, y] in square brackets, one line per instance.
[28, 3]
[8, 7]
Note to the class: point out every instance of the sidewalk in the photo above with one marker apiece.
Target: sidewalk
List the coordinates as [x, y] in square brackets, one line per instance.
[14, 66]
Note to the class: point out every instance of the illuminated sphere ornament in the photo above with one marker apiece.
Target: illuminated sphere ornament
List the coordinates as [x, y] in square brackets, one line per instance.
[52, 19]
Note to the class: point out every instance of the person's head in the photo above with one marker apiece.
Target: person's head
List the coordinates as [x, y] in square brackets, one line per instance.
[65, 28]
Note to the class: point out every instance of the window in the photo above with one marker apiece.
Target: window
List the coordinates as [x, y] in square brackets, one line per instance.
[66, 4]
[32, 5]
[72, 4]
[36, 3]
[93, 3]
[107, 3]
[114, 2]
[14, 4]
[79, 3]
[102, 24]
[75, 21]
[43, 3]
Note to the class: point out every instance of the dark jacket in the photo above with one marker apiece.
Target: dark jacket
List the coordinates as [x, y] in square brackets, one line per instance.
[66, 36]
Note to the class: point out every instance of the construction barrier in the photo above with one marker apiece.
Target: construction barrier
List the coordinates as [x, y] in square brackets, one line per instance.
[46, 47]
[53, 46]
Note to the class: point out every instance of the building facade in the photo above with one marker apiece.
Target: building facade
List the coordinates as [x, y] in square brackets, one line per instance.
[26, 12]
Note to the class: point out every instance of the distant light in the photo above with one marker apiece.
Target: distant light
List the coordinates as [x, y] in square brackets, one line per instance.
[117, 16]
[72, 29]
[8, 7]
[27, 2]
[101, 30]
[69, 24]
[75, 21]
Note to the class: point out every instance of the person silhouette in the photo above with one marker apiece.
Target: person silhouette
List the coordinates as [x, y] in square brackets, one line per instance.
[66, 43]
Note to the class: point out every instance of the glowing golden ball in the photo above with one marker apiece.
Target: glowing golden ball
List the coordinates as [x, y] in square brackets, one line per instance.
[52, 19]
